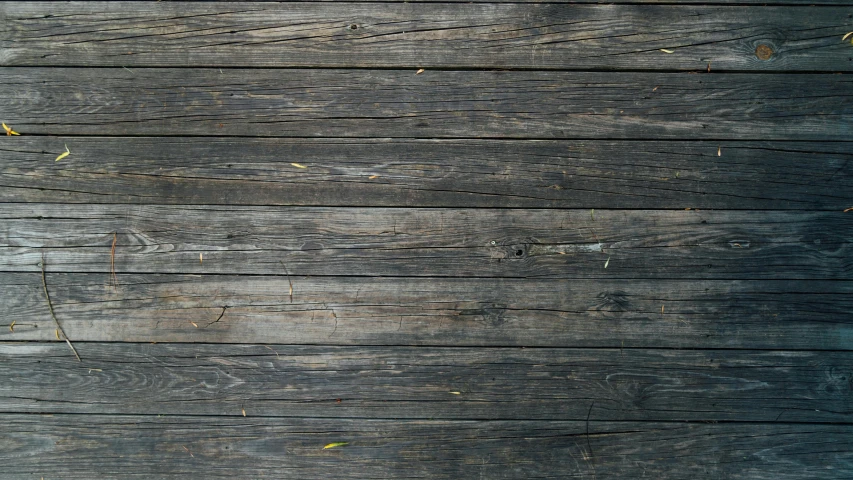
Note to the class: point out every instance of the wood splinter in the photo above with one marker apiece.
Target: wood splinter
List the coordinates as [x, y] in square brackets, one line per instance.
[52, 314]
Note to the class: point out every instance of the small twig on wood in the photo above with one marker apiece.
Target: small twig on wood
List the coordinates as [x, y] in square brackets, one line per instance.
[588, 444]
[50, 307]
[288, 280]
[113, 277]
[273, 351]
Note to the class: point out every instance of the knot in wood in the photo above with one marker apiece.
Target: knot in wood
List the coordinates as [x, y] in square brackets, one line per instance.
[763, 52]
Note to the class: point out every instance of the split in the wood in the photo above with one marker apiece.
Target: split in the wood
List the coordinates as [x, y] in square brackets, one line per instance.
[222, 314]
[588, 444]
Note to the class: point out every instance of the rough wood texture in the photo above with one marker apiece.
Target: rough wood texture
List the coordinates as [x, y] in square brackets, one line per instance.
[556, 252]
[430, 173]
[88, 446]
[429, 242]
[398, 103]
[433, 311]
[434, 383]
[424, 35]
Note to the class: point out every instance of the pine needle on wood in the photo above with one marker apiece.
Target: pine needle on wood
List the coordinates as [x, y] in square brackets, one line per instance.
[50, 307]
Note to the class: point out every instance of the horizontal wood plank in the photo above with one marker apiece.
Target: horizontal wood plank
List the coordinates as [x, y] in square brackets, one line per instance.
[424, 35]
[429, 173]
[619, 314]
[395, 103]
[87, 446]
[421, 382]
[698, 244]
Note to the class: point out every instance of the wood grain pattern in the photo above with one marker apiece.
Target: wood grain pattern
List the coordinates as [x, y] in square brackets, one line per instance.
[86, 446]
[702, 244]
[430, 173]
[432, 311]
[398, 103]
[423, 35]
[434, 383]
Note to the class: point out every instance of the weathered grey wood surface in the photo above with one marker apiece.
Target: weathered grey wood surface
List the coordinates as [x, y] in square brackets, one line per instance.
[432, 311]
[434, 383]
[662, 244]
[424, 35]
[557, 252]
[89, 446]
[399, 103]
[435, 173]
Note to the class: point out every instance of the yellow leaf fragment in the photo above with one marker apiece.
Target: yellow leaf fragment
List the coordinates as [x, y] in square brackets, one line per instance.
[661, 309]
[57, 334]
[607, 262]
[335, 445]
[664, 50]
[12, 326]
[298, 165]
[194, 324]
[455, 393]
[419, 72]
[63, 154]
[372, 177]
[244, 411]
[9, 130]
[845, 37]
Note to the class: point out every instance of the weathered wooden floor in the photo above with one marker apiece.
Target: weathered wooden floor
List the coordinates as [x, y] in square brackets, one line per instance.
[458, 240]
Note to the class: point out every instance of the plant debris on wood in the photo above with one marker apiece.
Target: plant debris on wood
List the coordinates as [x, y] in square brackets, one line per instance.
[288, 280]
[113, 277]
[9, 130]
[335, 445]
[63, 154]
[52, 314]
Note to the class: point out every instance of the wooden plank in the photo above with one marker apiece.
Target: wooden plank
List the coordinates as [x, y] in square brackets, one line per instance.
[398, 103]
[424, 35]
[86, 446]
[430, 173]
[313, 241]
[619, 314]
[421, 382]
